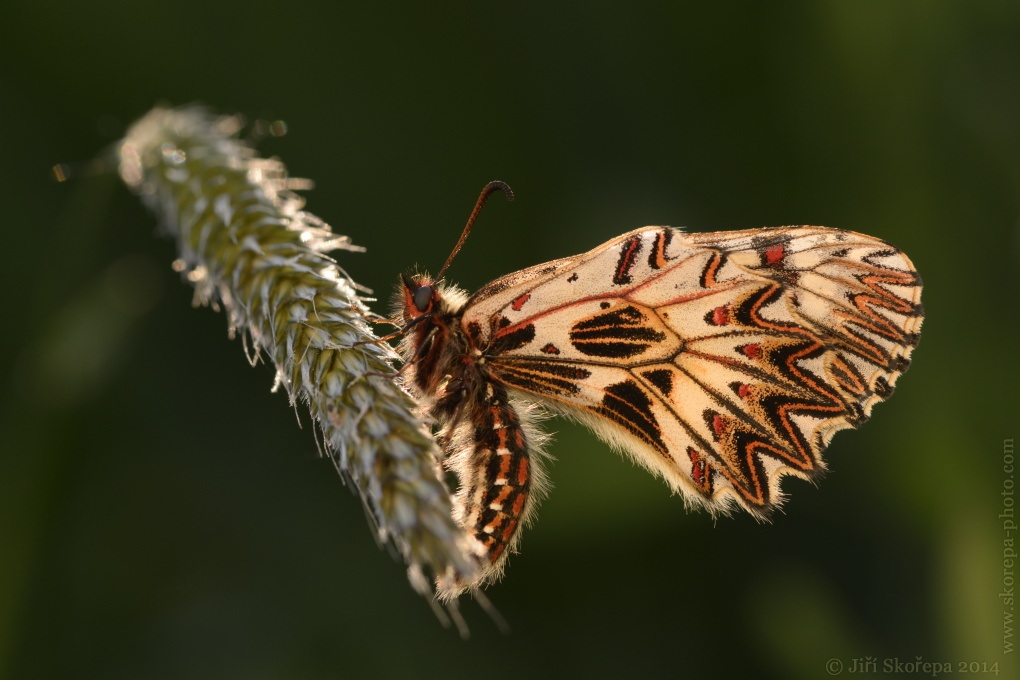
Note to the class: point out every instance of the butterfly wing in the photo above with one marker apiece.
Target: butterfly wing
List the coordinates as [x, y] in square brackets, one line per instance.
[720, 361]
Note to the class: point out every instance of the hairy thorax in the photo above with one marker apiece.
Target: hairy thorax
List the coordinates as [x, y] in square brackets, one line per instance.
[443, 367]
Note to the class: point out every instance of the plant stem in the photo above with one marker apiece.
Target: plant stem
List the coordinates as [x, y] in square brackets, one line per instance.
[246, 244]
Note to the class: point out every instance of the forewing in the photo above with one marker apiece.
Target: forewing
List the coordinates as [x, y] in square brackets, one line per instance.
[721, 361]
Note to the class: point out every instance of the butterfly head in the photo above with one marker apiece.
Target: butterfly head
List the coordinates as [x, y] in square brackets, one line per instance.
[419, 295]
[416, 296]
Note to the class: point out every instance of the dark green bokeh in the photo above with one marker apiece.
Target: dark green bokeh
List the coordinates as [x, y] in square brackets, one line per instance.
[161, 513]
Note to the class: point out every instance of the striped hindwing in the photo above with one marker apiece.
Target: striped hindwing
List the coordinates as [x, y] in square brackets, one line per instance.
[721, 361]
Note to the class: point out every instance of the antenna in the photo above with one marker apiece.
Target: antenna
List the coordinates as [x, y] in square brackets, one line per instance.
[490, 188]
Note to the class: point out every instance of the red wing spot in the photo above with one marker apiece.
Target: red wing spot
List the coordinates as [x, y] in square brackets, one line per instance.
[743, 391]
[774, 254]
[721, 315]
[697, 466]
[628, 254]
[519, 302]
[550, 349]
[718, 426]
[752, 351]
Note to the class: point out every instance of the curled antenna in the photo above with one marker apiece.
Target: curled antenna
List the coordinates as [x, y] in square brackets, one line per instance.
[489, 189]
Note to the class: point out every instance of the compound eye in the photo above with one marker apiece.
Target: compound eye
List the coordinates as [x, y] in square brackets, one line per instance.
[422, 298]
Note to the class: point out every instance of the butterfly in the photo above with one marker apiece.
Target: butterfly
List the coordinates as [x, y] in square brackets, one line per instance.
[721, 362]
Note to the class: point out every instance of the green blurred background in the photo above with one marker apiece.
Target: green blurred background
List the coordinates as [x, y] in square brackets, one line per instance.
[162, 515]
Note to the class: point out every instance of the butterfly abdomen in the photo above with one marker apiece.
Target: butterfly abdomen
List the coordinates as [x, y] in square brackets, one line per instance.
[496, 476]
